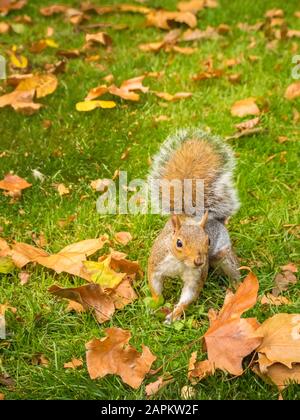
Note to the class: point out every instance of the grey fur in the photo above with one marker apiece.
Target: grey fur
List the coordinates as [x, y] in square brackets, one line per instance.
[222, 201]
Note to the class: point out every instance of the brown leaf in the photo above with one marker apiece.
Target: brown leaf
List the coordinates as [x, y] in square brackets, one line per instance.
[73, 364]
[23, 253]
[270, 299]
[197, 34]
[40, 359]
[7, 5]
[43, 84]
[24, 277]
[100, 38]
[114, 355]
[280, 375]
[123, 238]
[292, 91]
[193, 6]
[282, 281]
[164, 19]
[20, 101]
[231, 338]
[4, 27]
[199, 370]
[4, 248]
[7, 381]
[172, 98]
[245, 107]
[289, 267]
[154, 387]
[13, 183]
[281, 339]
[96, 92]
[90, 296]
[123, 294]
[53, 9]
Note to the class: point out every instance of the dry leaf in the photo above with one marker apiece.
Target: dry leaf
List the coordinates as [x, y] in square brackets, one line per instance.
[90, 296]
[40, 359]
[188, 393]
[24, 277]
[124, 293]
[100, 38]
[280, 375]
[43, 84]
[62, 190]
[171, 98]
[7, 5]
[193, 6]
[197, 34]
[13, 183]
[4, 248]
[4, 27]
[74, 364]
[123, 238]
[200, 370]
[270, 299]
[245, 107]
[100, 184]
[292, 91]
[154, 387]
[282, 281]
[96, 92]
[114, 355]
[163, 19]
[20, 101]
[289, 267]
[91, 105]
[231, 338]
[101, 273]
[281, 339]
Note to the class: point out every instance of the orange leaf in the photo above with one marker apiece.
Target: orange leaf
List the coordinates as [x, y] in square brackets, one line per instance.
[245, 107]
[114, 355]
[123, 237]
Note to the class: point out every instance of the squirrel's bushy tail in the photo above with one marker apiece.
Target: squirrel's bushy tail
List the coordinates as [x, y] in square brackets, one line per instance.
[197, 154]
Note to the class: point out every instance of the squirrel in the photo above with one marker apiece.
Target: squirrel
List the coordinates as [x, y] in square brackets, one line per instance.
[187, 246]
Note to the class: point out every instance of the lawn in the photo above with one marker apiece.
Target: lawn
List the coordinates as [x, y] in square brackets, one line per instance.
[80, 147]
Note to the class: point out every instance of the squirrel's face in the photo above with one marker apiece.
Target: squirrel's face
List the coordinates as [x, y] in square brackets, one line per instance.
[190, 242]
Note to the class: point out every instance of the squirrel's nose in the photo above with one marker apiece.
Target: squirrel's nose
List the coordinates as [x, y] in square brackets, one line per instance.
[198, 261]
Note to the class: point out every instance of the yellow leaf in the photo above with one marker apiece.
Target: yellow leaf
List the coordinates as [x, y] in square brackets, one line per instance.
[51, 43]
[91, 105]
[19, 61]
[44, 84]
[102, 274]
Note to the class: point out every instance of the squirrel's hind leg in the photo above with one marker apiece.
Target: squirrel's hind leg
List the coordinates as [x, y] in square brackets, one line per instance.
[156, 283]
[227, 262]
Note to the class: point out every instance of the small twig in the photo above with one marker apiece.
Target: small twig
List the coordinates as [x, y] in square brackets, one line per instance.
[245, 133]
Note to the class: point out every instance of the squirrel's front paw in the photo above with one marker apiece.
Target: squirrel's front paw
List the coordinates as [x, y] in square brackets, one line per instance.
[173, 316]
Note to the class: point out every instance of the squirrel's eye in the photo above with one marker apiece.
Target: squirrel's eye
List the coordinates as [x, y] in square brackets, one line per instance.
[179, 243]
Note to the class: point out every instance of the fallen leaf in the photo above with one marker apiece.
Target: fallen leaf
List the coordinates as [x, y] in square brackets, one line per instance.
[282, 281]
[4, 248]
[96, 92]
[91, 105]
[292, 91]
[198, 34]
[13, 183]
[2, 397]
[270, 299]
[101, 273]
[193, 6]
[281, 339]
[163, 19]
[40, 359]
[43, 84]
[188, 393]
[100, 38]
[114, 355]
[74, 364]
[245, 107]
[90, 296]
[24, 277]
[4, 27]
[171, 98]
[154, 387]
[20, 101]
[123, 238]
[53, 9]
[7, 5]
[200, 371]
[7, 381]
[124, 293]
[6, 265]
[231, 338]
[289, 267]
[62, 190]
[280, 375]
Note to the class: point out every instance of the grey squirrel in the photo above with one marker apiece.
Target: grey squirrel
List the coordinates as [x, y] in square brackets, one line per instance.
[187, 246]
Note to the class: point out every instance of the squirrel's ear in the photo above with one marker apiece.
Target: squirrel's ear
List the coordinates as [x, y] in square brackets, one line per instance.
[204, 219]
[176, 221]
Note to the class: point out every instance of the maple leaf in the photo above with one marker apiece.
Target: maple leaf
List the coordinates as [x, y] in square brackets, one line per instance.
[292, 91]
[90, 296]
[123, 238]
[114, 355]
[73, 364]
[161, 382]
[245, 107]
[101, 273]
[281, 339]
[230, 338]
[13, 183]
[280, 375]
[270, 299]
[20, 101]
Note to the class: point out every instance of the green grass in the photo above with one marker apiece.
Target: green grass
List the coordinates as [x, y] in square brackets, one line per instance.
[80, 147]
